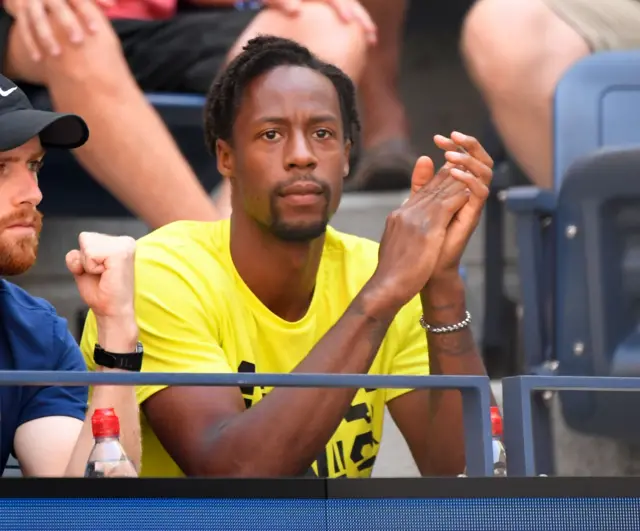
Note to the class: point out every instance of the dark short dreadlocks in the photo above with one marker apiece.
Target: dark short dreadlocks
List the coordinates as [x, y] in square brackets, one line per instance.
[259, 56]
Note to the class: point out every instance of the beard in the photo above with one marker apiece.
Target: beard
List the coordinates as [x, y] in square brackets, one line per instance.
[290, 232]
[297, 230]
[18, 254]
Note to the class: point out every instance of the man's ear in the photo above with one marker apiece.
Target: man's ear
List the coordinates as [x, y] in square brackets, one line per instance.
[224, 158]
[347, 154]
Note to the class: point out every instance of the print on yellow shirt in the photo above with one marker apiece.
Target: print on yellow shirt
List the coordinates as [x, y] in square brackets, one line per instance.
[356, 436]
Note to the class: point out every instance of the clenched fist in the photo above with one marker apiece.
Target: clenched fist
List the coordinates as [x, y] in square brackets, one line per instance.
[103, 268]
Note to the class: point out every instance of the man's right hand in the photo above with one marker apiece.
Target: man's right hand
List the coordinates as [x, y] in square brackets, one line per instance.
[33, 22]
[104, 270]
[415, 232]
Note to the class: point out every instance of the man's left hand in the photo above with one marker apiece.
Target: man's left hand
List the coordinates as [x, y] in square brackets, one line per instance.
[471, 165]
[347, 10]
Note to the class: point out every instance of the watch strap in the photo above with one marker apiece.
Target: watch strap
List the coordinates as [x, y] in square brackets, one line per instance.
[128, 362]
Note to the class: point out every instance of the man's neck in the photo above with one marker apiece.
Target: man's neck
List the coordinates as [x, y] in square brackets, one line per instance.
[281, 274]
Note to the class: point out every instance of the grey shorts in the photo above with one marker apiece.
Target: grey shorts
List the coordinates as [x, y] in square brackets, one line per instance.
[604, 24]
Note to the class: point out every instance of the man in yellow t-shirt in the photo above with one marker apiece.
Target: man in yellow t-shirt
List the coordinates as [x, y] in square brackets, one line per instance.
[274, 289]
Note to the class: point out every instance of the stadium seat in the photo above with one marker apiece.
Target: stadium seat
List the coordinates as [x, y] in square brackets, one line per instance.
[69, 191]
[576, 244]
[499, 338]
[597, 103]
[597, 286]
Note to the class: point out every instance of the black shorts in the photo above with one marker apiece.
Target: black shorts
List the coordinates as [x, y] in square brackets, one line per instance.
[182, 54]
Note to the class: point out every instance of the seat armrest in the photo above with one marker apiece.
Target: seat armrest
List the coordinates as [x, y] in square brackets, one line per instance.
[533, 208]
[530, 199]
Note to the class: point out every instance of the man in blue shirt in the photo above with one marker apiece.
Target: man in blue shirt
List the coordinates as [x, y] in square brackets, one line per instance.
[45, 427]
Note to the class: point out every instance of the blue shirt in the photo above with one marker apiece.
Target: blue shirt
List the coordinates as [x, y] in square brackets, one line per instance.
[34, 337]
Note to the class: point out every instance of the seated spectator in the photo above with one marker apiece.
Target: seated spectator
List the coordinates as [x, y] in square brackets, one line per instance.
[518, 50]
[46, 427]
[274, 289]
[96, 67]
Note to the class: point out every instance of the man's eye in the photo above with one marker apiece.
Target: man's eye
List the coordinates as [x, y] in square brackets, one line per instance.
[322, 134]
[35, 166]
[271, 135]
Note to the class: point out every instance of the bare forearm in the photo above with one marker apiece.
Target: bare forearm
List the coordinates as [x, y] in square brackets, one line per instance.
[284, 433]
[443, 303]
[456, 352]
[121, 398]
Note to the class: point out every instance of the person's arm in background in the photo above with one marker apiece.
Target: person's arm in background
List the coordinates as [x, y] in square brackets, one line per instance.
[437, 444]
[71, 47]
[53, 440]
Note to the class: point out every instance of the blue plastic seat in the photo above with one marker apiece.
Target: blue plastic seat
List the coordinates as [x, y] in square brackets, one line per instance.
[577, 243]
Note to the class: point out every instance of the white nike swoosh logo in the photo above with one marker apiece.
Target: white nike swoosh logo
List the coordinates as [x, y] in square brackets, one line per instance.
[5, 93]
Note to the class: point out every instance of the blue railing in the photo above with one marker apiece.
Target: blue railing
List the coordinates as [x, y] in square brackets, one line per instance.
[475, 391]
[519, 414]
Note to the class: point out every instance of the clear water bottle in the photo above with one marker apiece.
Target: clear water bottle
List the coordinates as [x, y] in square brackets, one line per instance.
[499, 454]
[108, 458]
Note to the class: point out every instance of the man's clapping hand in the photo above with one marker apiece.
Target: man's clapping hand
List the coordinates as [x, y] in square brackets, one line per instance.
[470, 164]
[427, 235]
[415, 232]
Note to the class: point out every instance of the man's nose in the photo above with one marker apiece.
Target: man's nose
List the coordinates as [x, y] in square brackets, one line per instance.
[299, 152]
[27, 189]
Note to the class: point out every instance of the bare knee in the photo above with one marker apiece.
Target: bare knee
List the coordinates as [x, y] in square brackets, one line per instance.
[518, 48]
[318, 28]
[498, 44]
[98, 56]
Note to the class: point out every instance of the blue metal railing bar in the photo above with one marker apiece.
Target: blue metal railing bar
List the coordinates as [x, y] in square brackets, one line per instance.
[519, 419]
[475, 391]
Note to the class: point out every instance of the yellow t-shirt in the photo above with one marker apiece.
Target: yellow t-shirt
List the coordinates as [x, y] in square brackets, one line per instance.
[195, 314]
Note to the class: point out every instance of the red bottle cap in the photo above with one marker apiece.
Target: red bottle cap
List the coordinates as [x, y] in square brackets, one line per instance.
[496, 422]
[105, 423]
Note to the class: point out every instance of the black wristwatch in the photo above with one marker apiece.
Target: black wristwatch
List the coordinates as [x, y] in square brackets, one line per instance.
[127, 362]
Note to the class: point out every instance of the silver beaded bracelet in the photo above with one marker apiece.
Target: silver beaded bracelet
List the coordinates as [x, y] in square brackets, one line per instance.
[448, 328]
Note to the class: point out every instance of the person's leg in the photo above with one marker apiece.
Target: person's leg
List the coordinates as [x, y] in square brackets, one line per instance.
[383, 112]
[183, 55]
[387, 159]
[130, 151]
[318, 28]
[517, 51]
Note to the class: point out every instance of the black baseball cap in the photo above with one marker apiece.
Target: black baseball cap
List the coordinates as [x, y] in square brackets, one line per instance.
[20, 122]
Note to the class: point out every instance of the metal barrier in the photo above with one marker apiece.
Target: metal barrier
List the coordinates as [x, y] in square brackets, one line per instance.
[520, 416]
[475, 391]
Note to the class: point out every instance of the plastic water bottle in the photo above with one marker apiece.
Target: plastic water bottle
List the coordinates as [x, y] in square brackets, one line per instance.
[108, 458]
[499, 454]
